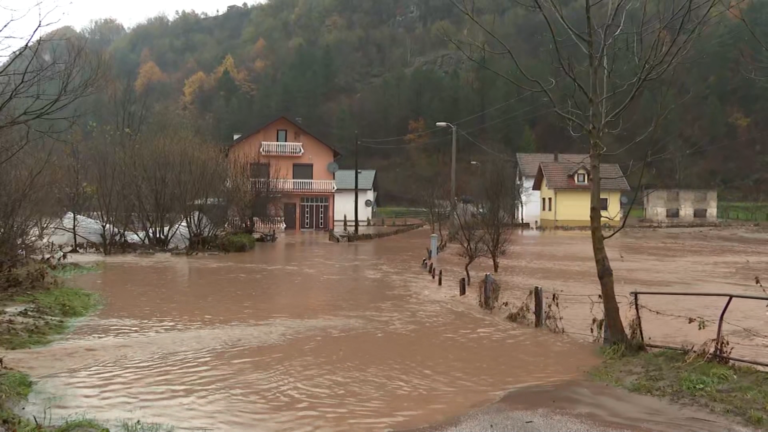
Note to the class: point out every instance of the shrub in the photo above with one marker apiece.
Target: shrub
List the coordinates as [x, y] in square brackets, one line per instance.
[237, 243]
[368, 222]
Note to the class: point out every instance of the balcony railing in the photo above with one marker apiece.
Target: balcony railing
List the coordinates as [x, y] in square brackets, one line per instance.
[291, 185]
[282, 148]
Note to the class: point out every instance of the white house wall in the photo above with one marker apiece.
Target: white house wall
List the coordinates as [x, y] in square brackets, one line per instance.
[531, 209]
[344, 204]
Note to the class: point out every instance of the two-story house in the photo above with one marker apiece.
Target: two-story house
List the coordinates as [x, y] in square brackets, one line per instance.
[298, 167]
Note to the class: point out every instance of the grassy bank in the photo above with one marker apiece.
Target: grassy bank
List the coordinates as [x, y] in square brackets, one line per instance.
[737, 391]
[38, 310]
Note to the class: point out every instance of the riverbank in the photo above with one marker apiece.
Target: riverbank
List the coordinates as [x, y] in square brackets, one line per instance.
[740, 392]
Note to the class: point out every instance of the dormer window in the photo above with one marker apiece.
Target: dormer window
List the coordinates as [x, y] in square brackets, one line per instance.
[581, 178]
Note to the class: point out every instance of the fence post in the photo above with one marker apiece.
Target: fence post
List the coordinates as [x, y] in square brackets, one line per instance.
[429, 269]
[538, 306]
[440, 279]
[433, 273]
[639, 322]
[718, 339]
[462, 287]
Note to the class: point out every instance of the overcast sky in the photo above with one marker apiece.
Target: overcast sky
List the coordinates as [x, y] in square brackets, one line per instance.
[79, 13]
[25, 14]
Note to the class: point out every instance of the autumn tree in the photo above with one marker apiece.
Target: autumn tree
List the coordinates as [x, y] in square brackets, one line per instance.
[496, 208]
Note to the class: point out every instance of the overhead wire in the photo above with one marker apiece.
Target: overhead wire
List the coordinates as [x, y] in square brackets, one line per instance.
[453, 123]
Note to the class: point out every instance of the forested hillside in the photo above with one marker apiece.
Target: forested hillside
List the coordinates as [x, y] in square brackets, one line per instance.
[386, 68]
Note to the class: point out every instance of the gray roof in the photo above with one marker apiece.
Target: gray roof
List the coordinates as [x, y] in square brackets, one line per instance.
[345, 179]
[529, 162]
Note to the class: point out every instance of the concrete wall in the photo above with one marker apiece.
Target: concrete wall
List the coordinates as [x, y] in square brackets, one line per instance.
[345, 204]
[657, 202]
[570, 208]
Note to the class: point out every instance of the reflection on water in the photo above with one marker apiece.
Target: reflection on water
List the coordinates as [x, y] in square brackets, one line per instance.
[297, 335]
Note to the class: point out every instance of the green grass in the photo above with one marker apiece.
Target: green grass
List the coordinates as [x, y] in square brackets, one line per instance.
[63, 302]
[14, 386]
[737, 391]
[237, 243]
[743, 211]
[46, 316]
[81, 425]
[68, 270]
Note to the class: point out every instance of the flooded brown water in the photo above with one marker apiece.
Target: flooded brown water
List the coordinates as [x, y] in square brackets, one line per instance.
[298, 335]
[307, 335]
[712, 260]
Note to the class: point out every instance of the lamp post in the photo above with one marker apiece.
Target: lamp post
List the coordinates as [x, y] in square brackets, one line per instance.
[453, 159]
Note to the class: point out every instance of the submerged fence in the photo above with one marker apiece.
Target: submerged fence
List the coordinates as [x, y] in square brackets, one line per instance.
[678, 325]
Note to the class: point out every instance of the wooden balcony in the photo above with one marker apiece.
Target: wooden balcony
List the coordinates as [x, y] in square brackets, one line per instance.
[295, 186]
[269, 148]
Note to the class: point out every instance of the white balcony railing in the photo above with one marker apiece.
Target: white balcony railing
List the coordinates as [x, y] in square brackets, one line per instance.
[291, 185]
[282, 148]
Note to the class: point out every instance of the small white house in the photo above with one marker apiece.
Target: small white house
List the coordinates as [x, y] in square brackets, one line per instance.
[344, 199]
[529, 210]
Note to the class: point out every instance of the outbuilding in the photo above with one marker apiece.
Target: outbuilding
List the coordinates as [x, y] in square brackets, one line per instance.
[345, 195]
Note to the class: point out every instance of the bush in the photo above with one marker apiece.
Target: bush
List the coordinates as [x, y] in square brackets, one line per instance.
[368, 222]
[238, 243]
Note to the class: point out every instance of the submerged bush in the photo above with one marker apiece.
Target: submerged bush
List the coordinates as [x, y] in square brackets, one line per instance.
[238, 243]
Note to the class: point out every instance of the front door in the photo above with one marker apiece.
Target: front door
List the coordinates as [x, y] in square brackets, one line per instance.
[314, 213]
[289, 215]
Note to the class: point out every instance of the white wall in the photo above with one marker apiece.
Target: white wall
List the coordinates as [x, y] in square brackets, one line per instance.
[344, 203]
[531, 203]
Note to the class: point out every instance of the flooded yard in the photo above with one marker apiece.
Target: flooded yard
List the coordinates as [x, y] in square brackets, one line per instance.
[307, 335]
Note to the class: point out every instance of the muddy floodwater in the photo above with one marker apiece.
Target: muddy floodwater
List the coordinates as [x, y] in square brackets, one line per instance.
[305, 335]
[297, 335]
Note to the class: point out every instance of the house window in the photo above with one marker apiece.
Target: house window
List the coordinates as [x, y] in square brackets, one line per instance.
[549, 200]
[282, 135]
[543, 204]
[259, 170]
[673, 213]
[581, 178]
[604, 204]
[700, 213]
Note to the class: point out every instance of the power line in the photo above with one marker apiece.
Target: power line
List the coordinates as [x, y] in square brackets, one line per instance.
[470, 130]
[455, 123]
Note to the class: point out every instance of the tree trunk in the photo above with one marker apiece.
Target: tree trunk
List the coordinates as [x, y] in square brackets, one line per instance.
[74, 233]
[495, 264]
[616, 333]
[466, 270]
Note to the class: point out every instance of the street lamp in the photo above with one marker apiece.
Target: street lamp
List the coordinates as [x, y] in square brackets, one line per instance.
[453, 158]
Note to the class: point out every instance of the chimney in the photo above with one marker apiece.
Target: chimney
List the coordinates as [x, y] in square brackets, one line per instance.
[557, 157]
[236, 136]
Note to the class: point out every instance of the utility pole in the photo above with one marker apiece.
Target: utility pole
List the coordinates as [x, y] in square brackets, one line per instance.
[453, 166]
[357, 221]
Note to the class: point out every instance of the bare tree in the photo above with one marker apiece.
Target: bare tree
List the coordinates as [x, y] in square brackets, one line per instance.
[26, 204]
[469, 235]
[72, 174]
[434, 197]
[253, 189]
[604, 52]
[42, 75]
[496, 209]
